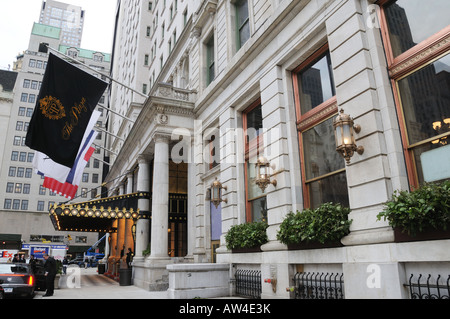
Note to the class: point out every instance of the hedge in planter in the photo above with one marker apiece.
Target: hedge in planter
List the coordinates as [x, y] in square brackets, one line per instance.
[246, 236]
[425, 208]
[325, 224]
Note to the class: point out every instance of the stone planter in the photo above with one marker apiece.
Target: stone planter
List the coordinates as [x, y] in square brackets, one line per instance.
[57, 279]
[427, 234]
[314, 245]
[246, 250]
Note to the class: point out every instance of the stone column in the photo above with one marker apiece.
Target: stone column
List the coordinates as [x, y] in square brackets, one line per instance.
[280, 199]
[143, 224]
[365, 93]
[279, 129]
[198, 197]
[233, 211]
[160, 198]
[191, 206]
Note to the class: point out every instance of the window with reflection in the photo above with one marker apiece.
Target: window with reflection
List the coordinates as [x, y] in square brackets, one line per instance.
[323, 170]
[242, 23]
[411, 22]
[256, 208]
[425, 98]
[414, 34]
[315, 83]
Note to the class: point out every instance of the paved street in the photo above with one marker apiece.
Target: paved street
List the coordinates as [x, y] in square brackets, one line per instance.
[95, 286]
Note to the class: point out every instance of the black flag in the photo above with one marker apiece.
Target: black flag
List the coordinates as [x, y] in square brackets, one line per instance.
[66, 100]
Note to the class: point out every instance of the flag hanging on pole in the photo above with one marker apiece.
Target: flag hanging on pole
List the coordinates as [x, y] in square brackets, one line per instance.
[45, 166]
[61, 179]
[70, 186]
[67, 98]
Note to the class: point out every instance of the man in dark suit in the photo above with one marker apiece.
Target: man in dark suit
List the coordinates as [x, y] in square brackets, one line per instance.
[50, 274]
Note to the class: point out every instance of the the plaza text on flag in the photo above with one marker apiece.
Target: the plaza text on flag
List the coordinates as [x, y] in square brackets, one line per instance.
[67, 98]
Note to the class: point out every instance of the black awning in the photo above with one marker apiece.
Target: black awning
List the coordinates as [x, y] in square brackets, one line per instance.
[97, 215]
[11, 237]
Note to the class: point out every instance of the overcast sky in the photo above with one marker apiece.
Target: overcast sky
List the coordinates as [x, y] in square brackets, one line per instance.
[17, 18]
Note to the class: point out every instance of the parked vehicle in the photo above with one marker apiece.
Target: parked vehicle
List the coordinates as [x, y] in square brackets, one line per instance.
[2, 292]
[18, 279]
[79, 260]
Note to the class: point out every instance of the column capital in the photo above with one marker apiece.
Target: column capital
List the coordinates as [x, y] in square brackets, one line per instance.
[161, 138]
[142, 159]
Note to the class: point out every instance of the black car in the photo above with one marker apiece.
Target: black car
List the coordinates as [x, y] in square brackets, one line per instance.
[18, 279]
[2, 292]
[79, 260]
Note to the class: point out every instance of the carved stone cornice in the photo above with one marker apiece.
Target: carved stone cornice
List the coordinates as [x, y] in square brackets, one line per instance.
[207, 10]
[174, 110]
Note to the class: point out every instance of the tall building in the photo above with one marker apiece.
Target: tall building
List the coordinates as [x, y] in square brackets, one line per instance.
[24, 201]
[67, 17]
[7, 83]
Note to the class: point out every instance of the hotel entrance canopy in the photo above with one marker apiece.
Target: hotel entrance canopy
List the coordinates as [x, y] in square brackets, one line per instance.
[97, 215]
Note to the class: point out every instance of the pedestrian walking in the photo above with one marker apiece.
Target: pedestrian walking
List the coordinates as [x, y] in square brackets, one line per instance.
[129, 258]
[65, 263]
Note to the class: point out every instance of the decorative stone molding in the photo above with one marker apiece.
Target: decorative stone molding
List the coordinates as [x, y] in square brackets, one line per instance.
[196, 32]
[417, 59]
[207, 10]
[166, 90]
[325, 110]
[143, 158]
[163, 119]
[161, 138]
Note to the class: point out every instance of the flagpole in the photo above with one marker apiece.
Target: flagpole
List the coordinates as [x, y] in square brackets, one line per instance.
[100, 160]
[128, 119]
[105, 149]
[96, 71]
[97, 127]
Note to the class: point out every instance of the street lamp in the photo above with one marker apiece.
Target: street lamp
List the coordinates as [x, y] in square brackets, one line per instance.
[263, 175]
[216, 193]
[344, 130]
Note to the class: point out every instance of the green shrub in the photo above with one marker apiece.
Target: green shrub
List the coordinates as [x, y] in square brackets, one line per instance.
[247, 235]
[424, 208]
[327, 223]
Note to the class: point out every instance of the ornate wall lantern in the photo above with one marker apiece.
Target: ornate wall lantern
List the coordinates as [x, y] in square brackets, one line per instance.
[216, 193]
[344, 130]
[262, 174]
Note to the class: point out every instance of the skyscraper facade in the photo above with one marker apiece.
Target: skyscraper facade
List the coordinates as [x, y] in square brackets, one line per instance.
[67, 17]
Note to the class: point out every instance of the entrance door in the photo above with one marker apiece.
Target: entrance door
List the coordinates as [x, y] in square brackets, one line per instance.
[177, 225]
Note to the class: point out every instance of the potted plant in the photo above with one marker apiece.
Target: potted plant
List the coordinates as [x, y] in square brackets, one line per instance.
[146, 252]
[247, 237]
[421, 214]
[315, 228]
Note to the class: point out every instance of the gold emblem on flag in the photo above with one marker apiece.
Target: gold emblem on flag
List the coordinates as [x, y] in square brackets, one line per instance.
[52, 108]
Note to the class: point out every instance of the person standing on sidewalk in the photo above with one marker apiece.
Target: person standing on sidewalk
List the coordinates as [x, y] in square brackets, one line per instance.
[50, 274]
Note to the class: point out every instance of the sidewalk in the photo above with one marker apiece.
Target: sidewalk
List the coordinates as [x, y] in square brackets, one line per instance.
[95, 286]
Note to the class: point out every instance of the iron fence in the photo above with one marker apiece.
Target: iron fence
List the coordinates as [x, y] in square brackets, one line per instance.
[318, 286]
[248, 283]
[431, 289]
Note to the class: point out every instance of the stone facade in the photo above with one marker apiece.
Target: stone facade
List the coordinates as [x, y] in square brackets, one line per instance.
[211, 81]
